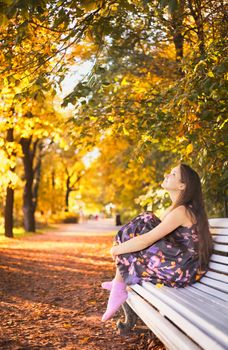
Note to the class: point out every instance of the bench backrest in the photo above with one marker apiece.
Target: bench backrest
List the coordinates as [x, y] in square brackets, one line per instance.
[215, 282]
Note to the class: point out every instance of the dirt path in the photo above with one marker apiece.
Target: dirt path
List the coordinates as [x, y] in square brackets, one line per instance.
[50, 295]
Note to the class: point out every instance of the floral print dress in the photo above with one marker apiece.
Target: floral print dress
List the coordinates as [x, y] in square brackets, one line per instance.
[172, 261]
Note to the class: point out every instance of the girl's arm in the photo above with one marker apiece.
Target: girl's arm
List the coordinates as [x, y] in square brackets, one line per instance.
[174, 219]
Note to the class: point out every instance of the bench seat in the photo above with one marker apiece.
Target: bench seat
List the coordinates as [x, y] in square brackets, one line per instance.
[190, 318]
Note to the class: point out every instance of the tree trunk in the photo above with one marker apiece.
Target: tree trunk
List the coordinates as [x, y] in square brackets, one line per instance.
[177, 29]
[53, 206]
[71, 187]
[8, 212]
[68, 190]
[53, 179]
[37, 175]
[28, 200]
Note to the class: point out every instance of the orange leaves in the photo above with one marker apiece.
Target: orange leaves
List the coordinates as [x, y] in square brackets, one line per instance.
[83, 50]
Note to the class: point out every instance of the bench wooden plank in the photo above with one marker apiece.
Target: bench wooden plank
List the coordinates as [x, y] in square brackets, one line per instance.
[170, 335]
[218, 267]
[216, 284]
[194, 317]
[219, 231]
[211, 291]
[204, 297]
[217, 276]
[191, 307]
[221, 239]
[221, 248]
[219, 258]
[218, 222]
[209, 317]
[183, 320]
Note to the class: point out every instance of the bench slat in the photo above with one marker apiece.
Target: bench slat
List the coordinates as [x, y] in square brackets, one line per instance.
[221, 247]
[213, 283]
[219, 231]
[183, 319]
[220, 239]
[208, 311]
[219, 258]
[199, 311]
[218, 222]
[217, 276]
[170, 335]
[209, 317]
[218, 267]
[211, 291]
[204, 297]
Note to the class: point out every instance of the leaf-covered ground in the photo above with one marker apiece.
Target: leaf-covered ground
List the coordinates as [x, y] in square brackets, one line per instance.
[50, 294]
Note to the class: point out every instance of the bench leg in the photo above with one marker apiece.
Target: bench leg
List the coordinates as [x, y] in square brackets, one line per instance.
[129, 322]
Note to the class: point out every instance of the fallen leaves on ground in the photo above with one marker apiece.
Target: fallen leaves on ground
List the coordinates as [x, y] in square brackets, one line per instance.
[51, 296]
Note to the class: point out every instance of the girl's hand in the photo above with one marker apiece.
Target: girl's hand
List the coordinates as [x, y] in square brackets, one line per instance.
[114, 252]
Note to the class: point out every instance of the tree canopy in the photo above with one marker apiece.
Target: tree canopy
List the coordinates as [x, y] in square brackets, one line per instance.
[155, 95]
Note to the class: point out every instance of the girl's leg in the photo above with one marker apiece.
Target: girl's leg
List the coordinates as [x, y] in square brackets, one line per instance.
[108, 285]
[117, 296]
[118, 276]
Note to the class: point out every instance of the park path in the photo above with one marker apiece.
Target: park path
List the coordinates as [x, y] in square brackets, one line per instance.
[50, 295]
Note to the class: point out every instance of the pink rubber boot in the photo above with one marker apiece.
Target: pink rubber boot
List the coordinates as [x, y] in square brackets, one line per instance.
[117, 297]
[107, 285]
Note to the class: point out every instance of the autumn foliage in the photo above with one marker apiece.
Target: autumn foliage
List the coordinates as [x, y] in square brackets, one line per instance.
[155, 94]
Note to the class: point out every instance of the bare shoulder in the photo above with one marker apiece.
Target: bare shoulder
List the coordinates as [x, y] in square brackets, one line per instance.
[183, 215]
[178, 213]
[181, 210]
[169, 210]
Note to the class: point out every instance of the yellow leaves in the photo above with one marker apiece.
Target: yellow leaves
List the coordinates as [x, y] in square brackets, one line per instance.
[210, 74]
[111, 118]
[147, 138]
[83, 50]
[67, 325]
[137, 104]
[6, 175]
[124, 82]
[140, 159]
[181, 139]
[125, 131]
[198, 277]
[63, 144]
[114, 7]
[189, 149]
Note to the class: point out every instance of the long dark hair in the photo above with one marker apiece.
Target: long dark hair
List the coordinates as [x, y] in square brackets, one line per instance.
[192, 198]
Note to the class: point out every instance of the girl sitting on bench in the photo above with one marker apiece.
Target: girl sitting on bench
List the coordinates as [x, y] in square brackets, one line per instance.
[172, 251]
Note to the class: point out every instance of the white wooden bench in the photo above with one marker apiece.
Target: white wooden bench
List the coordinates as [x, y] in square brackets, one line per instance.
[190, 318]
